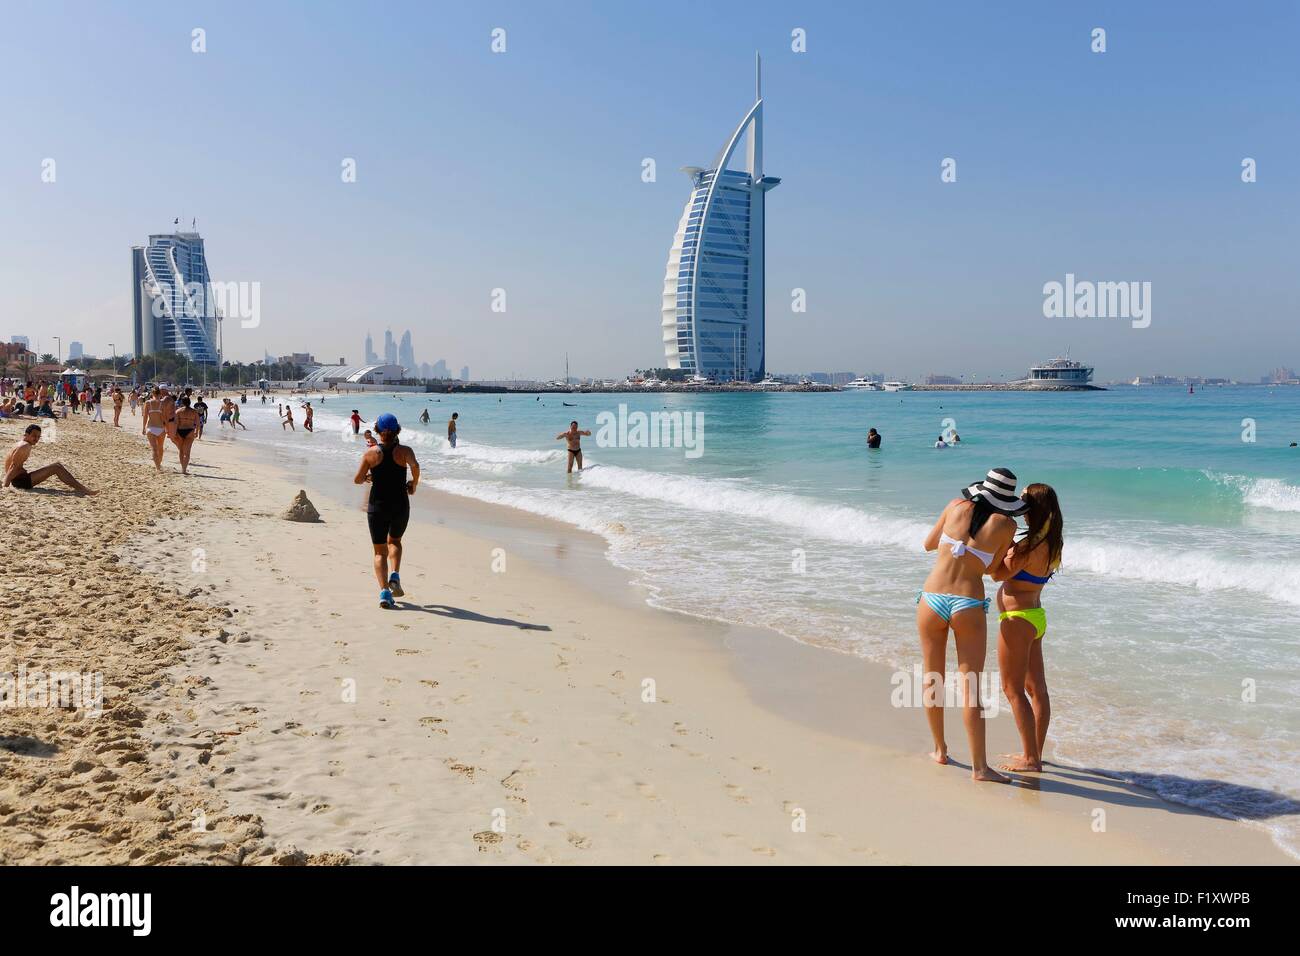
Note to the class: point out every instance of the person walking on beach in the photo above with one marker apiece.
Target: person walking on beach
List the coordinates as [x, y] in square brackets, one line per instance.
[154, 426]
[189, 425]
[234, 418]
[202, 408]
[1022, 623]
[451, 429]
[307, 421]
[135, 400]
[16, 473]
[971, 535]
[356, 421]
[573, 438]
[389, 505]
[118, 398]
[288, 419]
[97, 398]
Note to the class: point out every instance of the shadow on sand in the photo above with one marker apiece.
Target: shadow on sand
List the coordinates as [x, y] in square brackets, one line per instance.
[460, 614]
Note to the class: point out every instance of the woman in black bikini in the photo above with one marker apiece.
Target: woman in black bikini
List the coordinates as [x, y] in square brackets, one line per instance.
[187, 426]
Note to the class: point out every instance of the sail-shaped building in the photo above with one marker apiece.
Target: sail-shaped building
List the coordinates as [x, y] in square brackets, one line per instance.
[713, 321]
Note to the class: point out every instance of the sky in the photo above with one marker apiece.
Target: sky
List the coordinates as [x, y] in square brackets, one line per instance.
[522, 170]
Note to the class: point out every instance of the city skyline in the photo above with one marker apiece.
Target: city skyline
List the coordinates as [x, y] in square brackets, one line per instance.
[1127, 166]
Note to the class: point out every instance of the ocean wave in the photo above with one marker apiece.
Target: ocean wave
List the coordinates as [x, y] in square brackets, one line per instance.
[583, 517]
[1269, 494]
[834, 522]
[1196, 567]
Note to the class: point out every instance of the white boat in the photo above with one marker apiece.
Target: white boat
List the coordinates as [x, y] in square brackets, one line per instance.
[897, 387]
[863, 384]
[770, 382]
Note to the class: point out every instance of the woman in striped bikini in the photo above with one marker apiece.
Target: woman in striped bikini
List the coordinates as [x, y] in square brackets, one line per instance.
[973, 534]
[1025, 570]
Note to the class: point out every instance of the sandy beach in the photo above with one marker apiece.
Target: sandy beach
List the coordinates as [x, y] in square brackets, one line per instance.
[522, 705]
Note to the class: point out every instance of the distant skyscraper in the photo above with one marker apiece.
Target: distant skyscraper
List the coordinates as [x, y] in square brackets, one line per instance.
[426, 370]
[464, 373]
[371, 357]
[174, 308]
[390, 348]
[20, 340]
[440, 369]
[75, 351]
[713, 321]
[406, 354]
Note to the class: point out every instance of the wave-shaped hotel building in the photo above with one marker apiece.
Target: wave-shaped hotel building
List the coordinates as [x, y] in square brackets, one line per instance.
[713, 321]
[174, 309]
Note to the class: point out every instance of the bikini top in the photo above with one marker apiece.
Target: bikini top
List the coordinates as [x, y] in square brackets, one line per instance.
[961, 547]
[1032, 578]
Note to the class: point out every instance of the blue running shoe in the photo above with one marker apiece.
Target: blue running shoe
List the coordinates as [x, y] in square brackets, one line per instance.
[386, 598]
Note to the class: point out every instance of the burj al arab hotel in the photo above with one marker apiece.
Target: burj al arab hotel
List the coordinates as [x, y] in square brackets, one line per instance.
[713, 322]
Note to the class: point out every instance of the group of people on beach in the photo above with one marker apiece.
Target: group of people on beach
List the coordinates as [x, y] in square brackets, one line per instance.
[977, 535]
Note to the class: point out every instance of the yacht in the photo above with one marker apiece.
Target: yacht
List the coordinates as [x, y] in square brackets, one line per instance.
[897, 387]
[770, 382]
[1063, 373]
[863, 384]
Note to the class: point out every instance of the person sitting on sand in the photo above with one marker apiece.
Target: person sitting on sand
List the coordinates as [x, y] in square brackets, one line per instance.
[977, 529]
[388, 507]
[18, 476]
[1022, 623]
[573, 437]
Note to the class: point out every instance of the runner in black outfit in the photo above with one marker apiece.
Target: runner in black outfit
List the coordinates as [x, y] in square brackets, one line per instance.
[389, 508]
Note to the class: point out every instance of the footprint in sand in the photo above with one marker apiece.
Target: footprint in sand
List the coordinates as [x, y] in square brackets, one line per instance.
[736, 793]
[407, 650]
[432, 723]
[429, 683]
[764, 851]
[647, 790]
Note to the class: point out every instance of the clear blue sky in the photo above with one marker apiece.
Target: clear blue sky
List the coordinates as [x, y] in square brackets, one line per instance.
[522, 171]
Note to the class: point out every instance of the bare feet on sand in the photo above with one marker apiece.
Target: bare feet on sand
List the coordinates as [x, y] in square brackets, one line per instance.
[1019, 763]
[988, 775]
[940, 755]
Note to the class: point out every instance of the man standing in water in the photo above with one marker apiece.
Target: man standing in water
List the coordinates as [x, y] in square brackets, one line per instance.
[389, 506]
[451, 429]
[573, 437]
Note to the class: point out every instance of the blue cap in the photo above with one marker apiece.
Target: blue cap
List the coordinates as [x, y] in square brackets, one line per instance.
[387, 423]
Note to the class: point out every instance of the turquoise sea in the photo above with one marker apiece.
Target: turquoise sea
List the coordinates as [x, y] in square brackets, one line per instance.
[1173, 654]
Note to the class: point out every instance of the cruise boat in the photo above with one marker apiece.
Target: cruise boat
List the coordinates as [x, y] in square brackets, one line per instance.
[1060, 373]
[897, 387]
[863, 384]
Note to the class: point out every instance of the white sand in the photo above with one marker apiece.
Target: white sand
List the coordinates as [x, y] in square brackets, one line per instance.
[499, 717]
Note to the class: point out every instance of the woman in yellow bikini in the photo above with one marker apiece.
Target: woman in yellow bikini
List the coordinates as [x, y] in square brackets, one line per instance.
[1022, 622]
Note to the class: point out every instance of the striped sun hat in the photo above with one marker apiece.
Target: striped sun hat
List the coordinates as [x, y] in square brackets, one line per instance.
[999, 489]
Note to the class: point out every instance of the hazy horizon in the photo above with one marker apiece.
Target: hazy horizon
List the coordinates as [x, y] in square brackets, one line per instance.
[522, 171]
